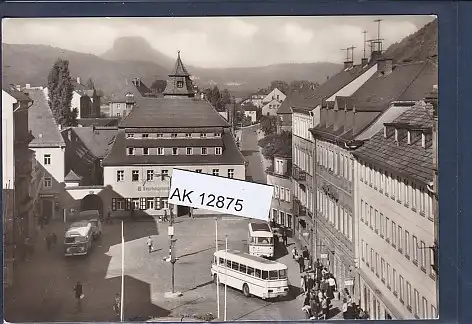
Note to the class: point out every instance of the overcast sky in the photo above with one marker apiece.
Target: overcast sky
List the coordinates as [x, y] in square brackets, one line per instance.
[219, 42]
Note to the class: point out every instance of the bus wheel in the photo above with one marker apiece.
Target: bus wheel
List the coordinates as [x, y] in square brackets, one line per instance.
[246, 290]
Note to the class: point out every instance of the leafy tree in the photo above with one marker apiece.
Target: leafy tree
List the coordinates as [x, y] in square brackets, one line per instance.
[60, 90]
[280, 144]
[302, 85]
[279, 84]
[71, 119]
[218, 99]
[90, 84]
[269, 124]
[159, 86]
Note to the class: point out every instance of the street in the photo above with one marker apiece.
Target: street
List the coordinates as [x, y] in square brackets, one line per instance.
[255, 170]
[44, 290]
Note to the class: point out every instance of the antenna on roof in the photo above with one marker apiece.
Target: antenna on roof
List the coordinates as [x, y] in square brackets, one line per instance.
[352, 52]
[347, 52]
[377, 43]
[365, 40]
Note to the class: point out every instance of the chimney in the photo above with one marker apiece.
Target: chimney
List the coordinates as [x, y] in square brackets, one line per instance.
[375, 56]
[78, 80]
[348, 64]
[385, 66]
[364, 61]
[28, 86]
[18, 87]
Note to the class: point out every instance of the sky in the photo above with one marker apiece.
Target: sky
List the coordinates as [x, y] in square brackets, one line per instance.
[219, 41]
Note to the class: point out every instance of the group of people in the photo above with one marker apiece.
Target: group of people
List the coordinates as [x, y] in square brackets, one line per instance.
[303, 259]
[350, 309]
[50, 239]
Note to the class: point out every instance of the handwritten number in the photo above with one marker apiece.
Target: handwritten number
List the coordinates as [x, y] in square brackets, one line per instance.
[230, 201]
[210, 203]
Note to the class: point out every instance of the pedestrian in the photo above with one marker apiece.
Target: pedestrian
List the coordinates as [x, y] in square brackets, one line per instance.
[331, 287]
[108, 221]
[284, 236]
[305, 252]
[302, 284]
[48, 241]
[149, 244]
[301, 263]
[294, 253]
[310, 282]
[344, 309]
[79, 294]
[165, 216]
[314, 305]
[324, 307]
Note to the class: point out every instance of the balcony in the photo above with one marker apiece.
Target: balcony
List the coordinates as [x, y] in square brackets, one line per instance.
[298, 208]
[298, 174]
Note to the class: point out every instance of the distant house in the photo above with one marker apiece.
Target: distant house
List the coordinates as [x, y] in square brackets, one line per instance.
[89, 145]
[251, 112]
[49, 148]
[270, 108]
[124, 100]
[275, 94]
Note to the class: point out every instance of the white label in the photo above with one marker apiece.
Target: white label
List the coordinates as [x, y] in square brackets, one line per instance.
[170, 230]
[224, 195]
[324, 256]
[349, 282]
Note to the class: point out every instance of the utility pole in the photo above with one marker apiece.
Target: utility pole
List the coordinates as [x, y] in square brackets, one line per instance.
[365, 40]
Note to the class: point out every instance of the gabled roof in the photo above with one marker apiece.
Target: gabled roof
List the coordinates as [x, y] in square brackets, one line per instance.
[117, 156]
[120, 95]
[42, 122]
[18, 95]
[179, 69]
[72, 176]
[82, 90]
[173, 112]
[411, 160]
[295, 97]
[86, 122]
[98, 140]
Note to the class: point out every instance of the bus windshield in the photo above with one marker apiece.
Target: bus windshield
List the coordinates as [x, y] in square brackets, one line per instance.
[262, 240]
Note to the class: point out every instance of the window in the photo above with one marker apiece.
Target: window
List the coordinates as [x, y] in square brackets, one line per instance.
[216, 172]
[417, 303]
[402, 289]
[159, 135]
[400, 239]
[165, 173]
[387, 233]
[275, 215]
[217, 134]
[188, 135]
[415, 250]
[135, 175]
[372, 259]
[118, 204]
[204, 151]
[367, 261]
[231, 173]
[406, 193]
[47, 159]
[218, 150]
[287, 195]
[145, 135]
[150, 175]
[377, 221]
[349, 226]
[423, 256]
[203, 135]
[149, 203]
[289, 221]
[129, 135]
[433, 312]
[189, 151]
[173, 135]
[362, 210]
[180, 84]
[120, 175]
[198, 170]
[47, 182]
[362, 250]
[399, 188]
[382, 226]
[175, 151]
[371, 216]
[367, 216]
[394, 234]
[425, 308]
[382, 269]
[130, 150]
[422, 201]
[377, 264]
[160, 151]
[406, 245]
[394, 282]
[389, 278]
[413, 196]
[145, 151]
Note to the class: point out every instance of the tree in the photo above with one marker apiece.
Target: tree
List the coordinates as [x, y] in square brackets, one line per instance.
[71, 120]
[280, 144]
[159, 86]
[279, 84]
[303, 85]
[90, 84]
[269, 124]
[60, 90]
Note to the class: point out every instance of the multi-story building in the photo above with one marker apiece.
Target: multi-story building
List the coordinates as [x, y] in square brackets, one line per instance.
[159, 134]
[20, 180]
[344, 124]
[275, 94]
[393, 177]
[49, 148]
[278, 176]
[250, 111]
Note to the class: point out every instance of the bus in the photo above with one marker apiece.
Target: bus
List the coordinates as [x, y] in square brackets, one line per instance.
[251, 274]
[261, 240]
[78, 238]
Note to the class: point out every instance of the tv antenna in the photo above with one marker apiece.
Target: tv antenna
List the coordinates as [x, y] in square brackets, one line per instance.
[349, 50]
[365, 40]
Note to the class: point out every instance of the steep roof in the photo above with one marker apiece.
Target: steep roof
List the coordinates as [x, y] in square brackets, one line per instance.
[72, 176]
[173, 112]
[120, 95]
[86, 122]
[83, 90]
[18, 95]
[230, 155]
[411, 160]
[41, 121]
[98, 140]
[179, 69]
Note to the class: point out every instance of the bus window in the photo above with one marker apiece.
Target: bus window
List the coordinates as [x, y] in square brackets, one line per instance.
[228, 263]
[283, 274]
[263, 240]
[258, 273]
[235, 266]
[273, 275]
[250, 271]
[242, 268]
[222, 262]
[265, 275]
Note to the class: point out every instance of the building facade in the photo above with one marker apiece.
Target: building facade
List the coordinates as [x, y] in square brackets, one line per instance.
[275, 94]
[271, 108]
[160, 134]
[20, 180]
[278, 176]
[396, 229]
[49, 148]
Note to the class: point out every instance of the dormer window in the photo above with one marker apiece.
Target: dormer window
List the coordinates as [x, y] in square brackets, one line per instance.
[129, 135]
[423, 140]
[203, 135]
[408, 137]
[145, 135]
[217, 134]
[145, 151]
[396, 135]
[218, 150]
[175, 151]
[173, 135]
[180, 84]
[159, 135]
[188, 135]
[130, 150]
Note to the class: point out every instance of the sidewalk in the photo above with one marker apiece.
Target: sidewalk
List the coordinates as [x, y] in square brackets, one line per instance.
[265, 163]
